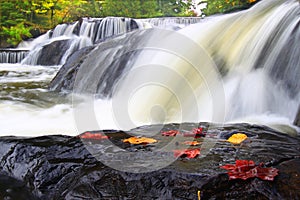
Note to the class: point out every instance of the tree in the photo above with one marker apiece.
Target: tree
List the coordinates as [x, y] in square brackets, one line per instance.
[149, 8]
[173, 8]
[222, 6]
[124, 8]
[12, 28]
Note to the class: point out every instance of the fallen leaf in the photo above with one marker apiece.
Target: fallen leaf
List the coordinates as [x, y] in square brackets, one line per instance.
[237, 138]
[196, 132]
[140, 140]
[267, 174]
[93, 136]
[189, 153]
[244, 169]
[191, 143]
[170, 133]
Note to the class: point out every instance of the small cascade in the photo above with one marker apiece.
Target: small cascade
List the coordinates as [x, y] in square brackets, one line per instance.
[100, 28]
[85, 32]
[172, 23]
[89, 31]
[12, 55]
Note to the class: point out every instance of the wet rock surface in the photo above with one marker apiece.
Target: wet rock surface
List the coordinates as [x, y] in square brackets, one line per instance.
[51, 54]
[65, 78]
[61, 167]
[297, 119]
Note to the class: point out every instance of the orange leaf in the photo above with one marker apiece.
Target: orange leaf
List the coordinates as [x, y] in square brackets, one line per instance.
[170, 133]
[140, 140]
[189, 153]
[237, 138]
[191, 143]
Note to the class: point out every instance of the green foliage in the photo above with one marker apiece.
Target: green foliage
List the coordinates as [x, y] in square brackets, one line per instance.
[15, 34]
[173, 8]
[12, 27]
[222, 6]
[147, 8]
[128, 8]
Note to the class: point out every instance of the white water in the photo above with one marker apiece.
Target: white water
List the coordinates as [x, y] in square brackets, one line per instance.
[23, 117]
[251, 95]
[38, 117]
[185, 86]
[91, 30]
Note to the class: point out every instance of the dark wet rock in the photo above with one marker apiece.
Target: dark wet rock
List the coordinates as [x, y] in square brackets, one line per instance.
[102, 65]
[297, 119]
[36, 32]
[52, 53]
[60, 167]
[11, 188]
[65, 78]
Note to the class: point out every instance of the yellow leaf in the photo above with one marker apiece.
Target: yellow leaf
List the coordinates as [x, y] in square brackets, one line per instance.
[237, 138]
[140, 140]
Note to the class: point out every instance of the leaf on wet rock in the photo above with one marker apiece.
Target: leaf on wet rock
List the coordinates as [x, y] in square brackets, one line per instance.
[140, 140]
[170, 133]
[189, 153]
[192, 143]
[196, 132]
[93, 136]
[237, 138]
[244, 169]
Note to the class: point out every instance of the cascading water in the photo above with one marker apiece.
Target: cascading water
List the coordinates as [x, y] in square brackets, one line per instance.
[79, 34]
[12, 55]
[87, 32]
[255, 51]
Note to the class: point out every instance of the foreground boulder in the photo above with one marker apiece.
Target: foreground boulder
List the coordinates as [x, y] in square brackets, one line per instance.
[60, 167]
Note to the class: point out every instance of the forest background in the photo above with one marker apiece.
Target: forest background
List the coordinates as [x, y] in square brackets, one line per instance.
[23, 19]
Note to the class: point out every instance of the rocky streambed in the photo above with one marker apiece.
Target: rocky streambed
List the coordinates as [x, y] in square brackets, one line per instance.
[61, 167]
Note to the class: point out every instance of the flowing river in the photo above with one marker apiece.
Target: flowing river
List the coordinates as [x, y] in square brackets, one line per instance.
[253, 56]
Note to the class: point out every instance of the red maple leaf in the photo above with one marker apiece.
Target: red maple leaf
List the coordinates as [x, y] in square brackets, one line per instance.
[244, 169]
[189, 153]
[196, 132]
[93, 136]
[170, 133]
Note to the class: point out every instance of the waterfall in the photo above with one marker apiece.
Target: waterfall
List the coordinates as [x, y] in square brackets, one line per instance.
[239, 66]
[258, 53]
[12, 55]
[85, 32]
[89, 31]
